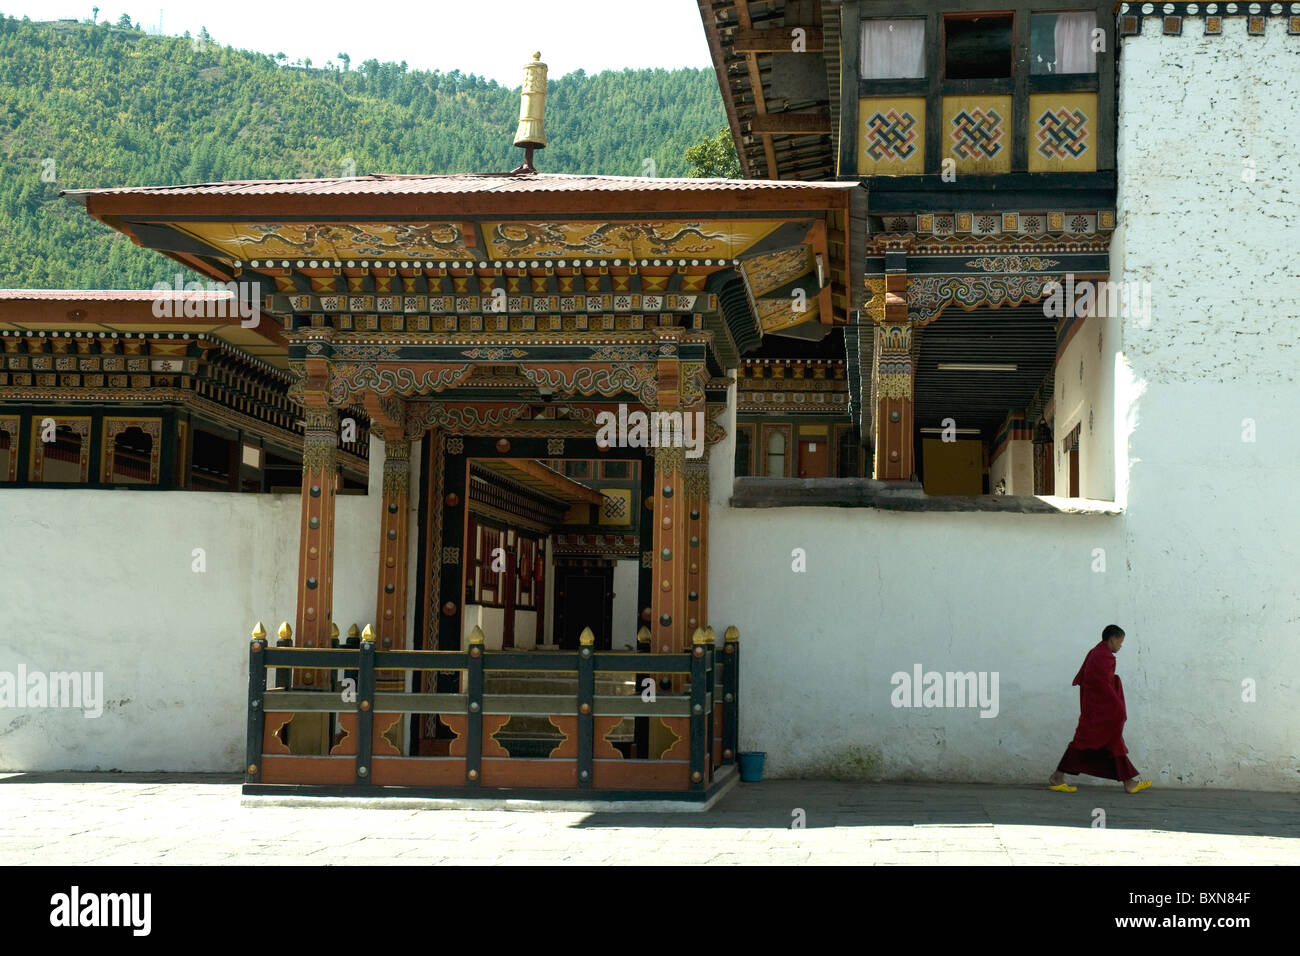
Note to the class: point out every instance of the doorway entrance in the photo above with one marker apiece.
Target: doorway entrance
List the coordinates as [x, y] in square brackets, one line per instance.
[584, 597]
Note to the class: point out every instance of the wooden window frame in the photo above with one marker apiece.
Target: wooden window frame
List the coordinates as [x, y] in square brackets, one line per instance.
[751, 430]
[36, 454]
[765, 431]
[934, 88]
[837, 435]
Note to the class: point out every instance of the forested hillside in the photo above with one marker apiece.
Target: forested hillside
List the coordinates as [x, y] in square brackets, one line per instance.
[85, 106]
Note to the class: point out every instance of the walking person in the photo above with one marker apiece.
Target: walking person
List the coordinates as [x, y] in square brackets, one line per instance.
[1098, 745]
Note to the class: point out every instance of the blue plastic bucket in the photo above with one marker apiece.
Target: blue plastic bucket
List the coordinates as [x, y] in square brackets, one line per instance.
[751, 765]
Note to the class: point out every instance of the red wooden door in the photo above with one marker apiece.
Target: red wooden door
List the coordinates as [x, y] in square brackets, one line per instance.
[814, 458]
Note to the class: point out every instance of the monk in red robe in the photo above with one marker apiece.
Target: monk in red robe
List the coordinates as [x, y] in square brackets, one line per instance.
[1098, 745]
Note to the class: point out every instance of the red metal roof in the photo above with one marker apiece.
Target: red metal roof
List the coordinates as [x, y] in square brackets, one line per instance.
[460, 183]
[109, 295]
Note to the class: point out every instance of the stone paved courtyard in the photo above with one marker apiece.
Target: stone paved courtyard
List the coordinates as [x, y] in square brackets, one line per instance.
[197, 819]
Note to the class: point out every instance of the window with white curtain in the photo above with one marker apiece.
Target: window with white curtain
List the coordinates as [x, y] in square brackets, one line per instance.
[893, 49]
[776, 455]
[1061, 43]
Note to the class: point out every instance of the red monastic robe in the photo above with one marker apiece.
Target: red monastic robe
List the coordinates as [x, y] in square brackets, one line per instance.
[1098, 745]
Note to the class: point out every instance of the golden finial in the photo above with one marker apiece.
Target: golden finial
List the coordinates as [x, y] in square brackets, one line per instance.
[731, 635]
[586, 638]
[698, 637]
[476, 636]
[710, 635]
[368, 635]
[643, 635]
[285, 632]
[334, 631]
[259, 632]
[353, 631]
[531, 133]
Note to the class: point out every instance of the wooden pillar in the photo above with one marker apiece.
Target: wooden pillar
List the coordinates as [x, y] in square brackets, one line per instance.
[394, 524]
[894, 377]
[310, 732]
[670, 556]
[316, 539]
[697, 541]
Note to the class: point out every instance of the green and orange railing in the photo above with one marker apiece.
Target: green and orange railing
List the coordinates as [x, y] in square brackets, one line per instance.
[696, 730]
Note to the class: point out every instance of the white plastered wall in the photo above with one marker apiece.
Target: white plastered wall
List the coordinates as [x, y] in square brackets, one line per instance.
[104, 581]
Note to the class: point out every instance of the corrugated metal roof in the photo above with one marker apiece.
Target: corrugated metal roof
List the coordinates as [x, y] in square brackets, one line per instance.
[109, 295]
[459, 183]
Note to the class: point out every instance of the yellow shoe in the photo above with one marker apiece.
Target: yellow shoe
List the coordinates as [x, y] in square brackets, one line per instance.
[1142, 785]
[1065, 788]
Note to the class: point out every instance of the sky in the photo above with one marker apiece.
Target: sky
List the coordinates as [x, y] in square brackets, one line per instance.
[492, 38]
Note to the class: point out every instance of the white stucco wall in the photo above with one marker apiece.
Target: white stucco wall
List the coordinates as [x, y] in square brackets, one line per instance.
[1016, 464]
[103, 581]
[626, 622]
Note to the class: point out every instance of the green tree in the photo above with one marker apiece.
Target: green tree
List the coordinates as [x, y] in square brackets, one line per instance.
[714, 157]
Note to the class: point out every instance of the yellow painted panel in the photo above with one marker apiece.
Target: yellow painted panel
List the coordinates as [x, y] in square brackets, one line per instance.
[891, 135]
[341, 241]
[952, 467]
[725, 239]
[775, 269]
[977, 133]
[775, 314]
[1063, 133]
[617, 509]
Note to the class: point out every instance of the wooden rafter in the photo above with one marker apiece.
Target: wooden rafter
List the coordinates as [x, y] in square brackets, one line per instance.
[776, 40]
[816, 122]
[756, 87]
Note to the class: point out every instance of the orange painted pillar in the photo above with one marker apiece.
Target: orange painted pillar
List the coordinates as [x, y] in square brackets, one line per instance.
[894, 377]
[670, 558]
[394, 546]
[696, 481]
[320, 480]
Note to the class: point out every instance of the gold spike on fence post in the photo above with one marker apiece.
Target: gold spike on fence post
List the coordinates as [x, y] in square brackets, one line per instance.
[259, 631]
[368, 635]
[354, 632]
[285, 633]
[587, 638]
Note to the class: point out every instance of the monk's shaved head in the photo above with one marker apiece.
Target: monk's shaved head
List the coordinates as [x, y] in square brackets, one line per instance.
[1112, 630]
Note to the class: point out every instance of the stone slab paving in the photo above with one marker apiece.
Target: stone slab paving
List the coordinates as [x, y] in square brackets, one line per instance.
[79, 819]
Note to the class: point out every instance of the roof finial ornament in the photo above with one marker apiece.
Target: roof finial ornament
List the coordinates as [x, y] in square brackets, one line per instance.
[531, 133]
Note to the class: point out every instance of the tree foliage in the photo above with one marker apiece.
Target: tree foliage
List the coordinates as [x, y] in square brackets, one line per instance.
[714, 157]
[86, 106]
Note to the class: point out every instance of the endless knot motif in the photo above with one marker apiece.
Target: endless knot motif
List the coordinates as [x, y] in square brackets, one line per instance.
[613, 508]
[977, 134]
[1062, 134]
[891, 135]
